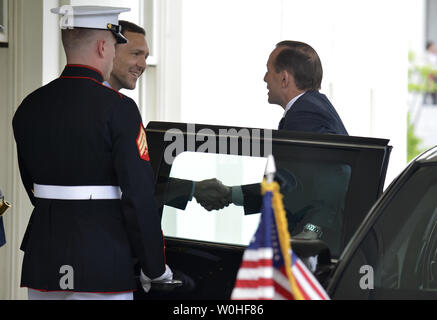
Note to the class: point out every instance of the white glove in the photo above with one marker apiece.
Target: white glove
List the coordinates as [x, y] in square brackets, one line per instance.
[146, 282]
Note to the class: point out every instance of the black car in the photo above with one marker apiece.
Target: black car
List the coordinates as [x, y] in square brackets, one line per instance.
[393, 255]
[329, 183]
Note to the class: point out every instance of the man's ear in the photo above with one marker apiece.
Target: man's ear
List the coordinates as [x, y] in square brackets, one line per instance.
[285, 79]
[101, 48]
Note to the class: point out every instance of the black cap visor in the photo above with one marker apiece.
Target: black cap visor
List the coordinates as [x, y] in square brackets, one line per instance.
[116, 31]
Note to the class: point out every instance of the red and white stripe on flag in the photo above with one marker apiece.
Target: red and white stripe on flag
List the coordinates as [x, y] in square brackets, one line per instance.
[270, 270]
[309, 286]
[255, 277]
[258, 279]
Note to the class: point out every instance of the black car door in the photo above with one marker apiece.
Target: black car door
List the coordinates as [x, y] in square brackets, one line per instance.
[393, 254]
[328, 181]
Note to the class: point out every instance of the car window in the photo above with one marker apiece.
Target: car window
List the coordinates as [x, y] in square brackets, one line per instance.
[314, 192]
[398, 257]
[317, 198]
[329, 182]
[228, 225]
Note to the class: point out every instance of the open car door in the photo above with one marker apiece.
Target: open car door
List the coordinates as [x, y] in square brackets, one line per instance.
[329, 182]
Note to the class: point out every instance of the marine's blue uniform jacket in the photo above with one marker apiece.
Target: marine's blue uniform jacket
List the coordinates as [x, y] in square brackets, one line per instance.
[77, 132]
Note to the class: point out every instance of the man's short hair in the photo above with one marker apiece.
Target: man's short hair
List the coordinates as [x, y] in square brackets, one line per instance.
[127, 26]
[73, 39]
[302, 61]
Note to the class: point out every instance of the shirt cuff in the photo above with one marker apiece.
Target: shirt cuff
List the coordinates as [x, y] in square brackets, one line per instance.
[237, 196]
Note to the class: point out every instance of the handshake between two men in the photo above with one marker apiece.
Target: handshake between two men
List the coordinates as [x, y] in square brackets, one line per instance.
[212, 194]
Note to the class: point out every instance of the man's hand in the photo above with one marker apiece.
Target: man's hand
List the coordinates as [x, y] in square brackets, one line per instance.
[212, 194]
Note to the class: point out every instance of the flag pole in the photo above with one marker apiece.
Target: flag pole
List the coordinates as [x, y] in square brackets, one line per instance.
[281, 225]
[270, 169]
[267, 270]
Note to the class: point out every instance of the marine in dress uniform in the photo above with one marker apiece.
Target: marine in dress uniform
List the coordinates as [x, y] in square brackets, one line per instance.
[84, 162]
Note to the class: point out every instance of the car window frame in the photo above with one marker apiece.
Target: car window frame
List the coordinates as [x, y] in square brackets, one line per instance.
[155, 131]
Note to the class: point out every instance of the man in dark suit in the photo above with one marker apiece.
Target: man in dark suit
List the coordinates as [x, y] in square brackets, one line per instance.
[294, 77]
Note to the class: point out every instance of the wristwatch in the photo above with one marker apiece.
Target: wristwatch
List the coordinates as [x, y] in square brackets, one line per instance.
[309, 227]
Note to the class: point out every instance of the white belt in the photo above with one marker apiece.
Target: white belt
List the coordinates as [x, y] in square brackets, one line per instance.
[76, 192]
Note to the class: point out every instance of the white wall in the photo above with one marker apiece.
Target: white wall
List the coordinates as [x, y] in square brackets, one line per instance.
[416, 25]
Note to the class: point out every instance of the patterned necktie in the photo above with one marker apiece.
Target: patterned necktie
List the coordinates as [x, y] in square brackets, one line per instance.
[281, 124]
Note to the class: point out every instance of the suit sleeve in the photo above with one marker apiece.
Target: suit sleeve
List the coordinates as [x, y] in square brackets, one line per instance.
[252, 198]
[135, 177]
[175, 193]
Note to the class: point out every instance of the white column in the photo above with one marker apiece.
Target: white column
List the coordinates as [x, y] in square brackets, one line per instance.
[168, 104]
[23, 62]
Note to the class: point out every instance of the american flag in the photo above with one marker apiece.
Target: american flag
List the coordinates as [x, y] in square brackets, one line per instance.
[268, 274]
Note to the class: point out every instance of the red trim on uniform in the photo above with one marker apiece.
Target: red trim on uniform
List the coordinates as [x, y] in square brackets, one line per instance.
[88, 78]
[121, 96]
[65, 291]
[87, 67]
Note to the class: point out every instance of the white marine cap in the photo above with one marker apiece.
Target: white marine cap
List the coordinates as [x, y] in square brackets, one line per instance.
[92, 17]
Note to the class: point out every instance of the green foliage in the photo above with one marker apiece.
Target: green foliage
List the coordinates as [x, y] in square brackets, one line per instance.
[411, 56]
[421, 77]
[413, 142]
[420, 81]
